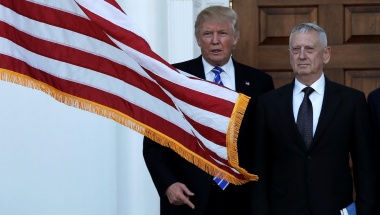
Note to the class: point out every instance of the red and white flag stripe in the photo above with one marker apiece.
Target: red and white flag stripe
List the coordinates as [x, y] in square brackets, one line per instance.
[89, 54]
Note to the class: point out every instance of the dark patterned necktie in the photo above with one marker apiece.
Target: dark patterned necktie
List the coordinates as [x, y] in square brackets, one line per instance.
[305, 117]
[217, 79]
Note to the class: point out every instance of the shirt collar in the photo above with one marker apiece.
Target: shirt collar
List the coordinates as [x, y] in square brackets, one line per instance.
[227, 68]
[318, 86]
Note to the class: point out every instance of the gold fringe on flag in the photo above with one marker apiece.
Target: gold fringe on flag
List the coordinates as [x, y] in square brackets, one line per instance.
[233, 133]
[70, 100]
[231, 145]
[202, 163]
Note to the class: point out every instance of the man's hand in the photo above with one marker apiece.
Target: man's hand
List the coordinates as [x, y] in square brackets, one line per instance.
[178, 194]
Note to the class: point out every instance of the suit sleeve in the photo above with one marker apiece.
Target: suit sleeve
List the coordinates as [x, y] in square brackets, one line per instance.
[263, 84]
[252, 149]
[269, 86]
[363, 158]
[258, 161]
[374, 108]
[157, 160]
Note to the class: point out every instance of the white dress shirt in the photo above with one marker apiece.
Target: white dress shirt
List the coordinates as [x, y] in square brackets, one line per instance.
[227, 76]
[316, 98]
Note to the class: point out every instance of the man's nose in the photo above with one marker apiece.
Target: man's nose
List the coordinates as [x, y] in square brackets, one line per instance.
[302, 53]
[215, 38]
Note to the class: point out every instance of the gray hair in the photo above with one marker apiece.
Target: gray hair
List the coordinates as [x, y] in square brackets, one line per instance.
[306, 27]
[217, 13]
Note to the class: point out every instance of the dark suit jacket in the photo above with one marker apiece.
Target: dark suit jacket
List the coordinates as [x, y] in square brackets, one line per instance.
[374, 105]
[166, 167]
[295, 181]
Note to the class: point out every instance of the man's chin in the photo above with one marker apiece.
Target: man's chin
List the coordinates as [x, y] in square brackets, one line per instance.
[219, 60]
[303, 72]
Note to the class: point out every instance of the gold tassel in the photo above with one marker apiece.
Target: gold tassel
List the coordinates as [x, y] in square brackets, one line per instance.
[70, 100]
[233, 133]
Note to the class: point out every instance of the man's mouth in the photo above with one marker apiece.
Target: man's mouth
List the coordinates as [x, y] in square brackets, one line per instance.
[216, 51]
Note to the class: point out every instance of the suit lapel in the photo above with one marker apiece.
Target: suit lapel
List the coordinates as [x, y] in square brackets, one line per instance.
[197, 68]
[242, 84]
[331, 102]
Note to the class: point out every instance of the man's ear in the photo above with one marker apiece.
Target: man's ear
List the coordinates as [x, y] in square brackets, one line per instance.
[326, 54]
[198, 39]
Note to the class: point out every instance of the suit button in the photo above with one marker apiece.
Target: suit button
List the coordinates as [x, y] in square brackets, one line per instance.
[308, 157]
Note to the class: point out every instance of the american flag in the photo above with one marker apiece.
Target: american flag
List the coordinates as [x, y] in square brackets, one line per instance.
[90, 55]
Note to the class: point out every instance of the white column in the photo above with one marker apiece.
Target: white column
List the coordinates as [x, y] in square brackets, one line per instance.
[180, 30]
[207, 3]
